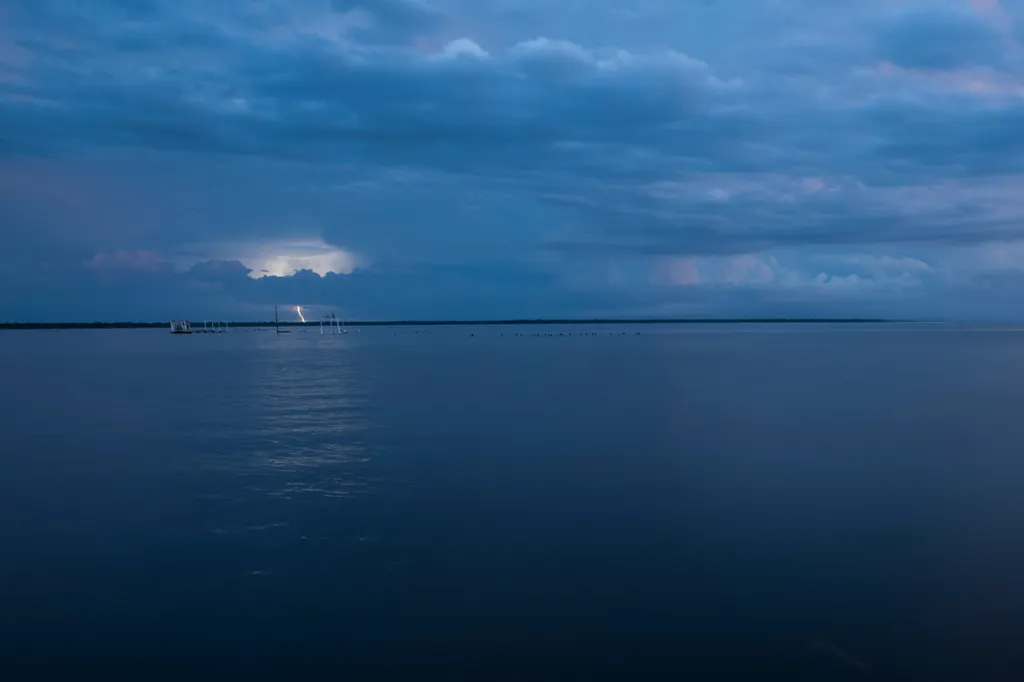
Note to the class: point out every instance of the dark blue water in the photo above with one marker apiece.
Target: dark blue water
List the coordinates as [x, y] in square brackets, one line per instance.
[693, 503]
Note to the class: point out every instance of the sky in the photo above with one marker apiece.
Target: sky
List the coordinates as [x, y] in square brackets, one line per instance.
[485, 159]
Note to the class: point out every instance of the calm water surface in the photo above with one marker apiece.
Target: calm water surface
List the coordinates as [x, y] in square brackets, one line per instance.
[693, 503]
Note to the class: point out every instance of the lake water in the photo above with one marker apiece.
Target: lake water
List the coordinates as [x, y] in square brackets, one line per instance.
[720, 502]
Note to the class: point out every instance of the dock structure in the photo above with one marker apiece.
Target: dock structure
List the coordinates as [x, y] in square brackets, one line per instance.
[334, 325]
[210, 327]
[185, 327]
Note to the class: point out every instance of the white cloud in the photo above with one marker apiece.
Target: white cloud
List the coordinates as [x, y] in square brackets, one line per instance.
[885, 263]
[464, 47]
[765, 272]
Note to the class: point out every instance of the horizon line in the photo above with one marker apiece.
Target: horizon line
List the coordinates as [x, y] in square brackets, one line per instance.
[455, 322]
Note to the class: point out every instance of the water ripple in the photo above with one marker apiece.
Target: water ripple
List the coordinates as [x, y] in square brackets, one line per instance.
[306, 422]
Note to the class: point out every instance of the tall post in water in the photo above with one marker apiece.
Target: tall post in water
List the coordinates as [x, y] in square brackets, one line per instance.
[277, 326]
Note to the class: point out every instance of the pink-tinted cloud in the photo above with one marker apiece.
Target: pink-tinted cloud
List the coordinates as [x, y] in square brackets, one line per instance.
[993, 11]
[982, 81]
[813, 185]
[983, 6]
[683, 271]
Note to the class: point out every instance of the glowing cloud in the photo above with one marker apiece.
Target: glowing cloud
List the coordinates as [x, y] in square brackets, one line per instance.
[291, 259]
[276, 258]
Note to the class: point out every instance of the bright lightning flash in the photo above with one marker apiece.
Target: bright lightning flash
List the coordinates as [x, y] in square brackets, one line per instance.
[298, 309]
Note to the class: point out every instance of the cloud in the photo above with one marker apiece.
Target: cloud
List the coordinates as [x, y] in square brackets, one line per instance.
[677, 272]
[406, 156]
[301, 91]
[396, 18]
[886, 263]
[219, 270]
[138, 259]
[748, 269]
[687, 219]
[278, 259]
[939, 39]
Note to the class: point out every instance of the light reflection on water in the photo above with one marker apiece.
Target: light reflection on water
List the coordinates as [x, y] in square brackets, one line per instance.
[307, 417]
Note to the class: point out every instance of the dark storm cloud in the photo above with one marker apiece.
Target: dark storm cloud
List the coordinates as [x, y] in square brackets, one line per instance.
[956, 136]
[941, 39]
[309, 99]
[739, 225]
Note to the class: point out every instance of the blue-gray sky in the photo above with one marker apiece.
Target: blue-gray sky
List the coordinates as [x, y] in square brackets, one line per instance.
[511, 158]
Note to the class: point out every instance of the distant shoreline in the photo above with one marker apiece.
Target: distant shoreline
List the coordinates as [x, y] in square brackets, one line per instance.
[446, 323]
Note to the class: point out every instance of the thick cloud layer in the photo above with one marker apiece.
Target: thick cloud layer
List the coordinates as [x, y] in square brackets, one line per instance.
[446, 158]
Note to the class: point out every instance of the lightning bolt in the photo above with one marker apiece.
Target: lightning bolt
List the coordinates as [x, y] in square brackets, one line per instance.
[298, 309]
